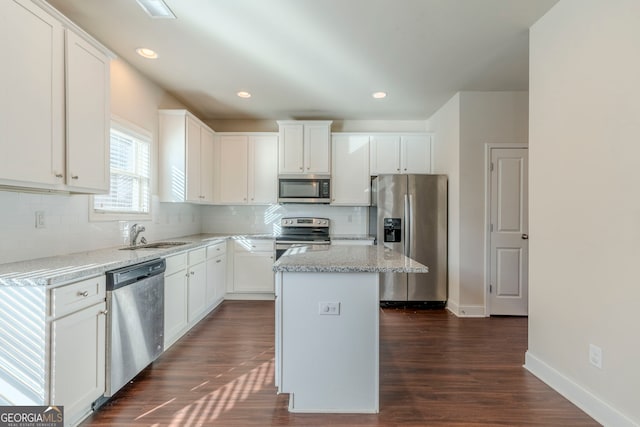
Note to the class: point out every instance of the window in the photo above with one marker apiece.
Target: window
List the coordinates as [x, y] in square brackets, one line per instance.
[130, 164]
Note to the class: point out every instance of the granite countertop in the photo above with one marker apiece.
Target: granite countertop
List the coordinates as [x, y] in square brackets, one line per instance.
[352, 237]
[346, 259]
[58, 270]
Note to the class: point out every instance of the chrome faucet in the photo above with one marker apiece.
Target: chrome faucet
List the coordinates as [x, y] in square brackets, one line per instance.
[134, 231]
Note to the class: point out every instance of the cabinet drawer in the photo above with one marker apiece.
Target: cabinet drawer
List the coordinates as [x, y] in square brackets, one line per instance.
[253, 245]
[197, 256]
[175, 263]
[216, 250]
[74, 297]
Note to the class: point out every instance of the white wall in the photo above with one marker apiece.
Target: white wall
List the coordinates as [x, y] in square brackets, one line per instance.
[485, 117]
[445, 124]
[463, 127]
[585, 204]
[133, 98]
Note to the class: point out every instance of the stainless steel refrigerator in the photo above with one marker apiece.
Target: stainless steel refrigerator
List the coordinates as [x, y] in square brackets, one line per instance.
[410, 215]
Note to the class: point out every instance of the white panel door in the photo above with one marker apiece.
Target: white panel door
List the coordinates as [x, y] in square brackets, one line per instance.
[88, 116]
[416, 154]
[263, 169]
[509, 258]
[385, 154]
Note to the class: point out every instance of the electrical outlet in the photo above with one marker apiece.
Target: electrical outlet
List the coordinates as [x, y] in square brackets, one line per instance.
[331, 308]
[595, 356]
[40, 219]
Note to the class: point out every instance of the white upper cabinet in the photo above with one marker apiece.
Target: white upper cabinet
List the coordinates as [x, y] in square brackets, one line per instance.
[350, 179]
[88, 116]
[246, 167]
[304, 147]
[395, 154]
[186, 158]
[41, 124]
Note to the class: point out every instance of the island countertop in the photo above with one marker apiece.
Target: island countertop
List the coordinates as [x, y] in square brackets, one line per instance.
[346, 259]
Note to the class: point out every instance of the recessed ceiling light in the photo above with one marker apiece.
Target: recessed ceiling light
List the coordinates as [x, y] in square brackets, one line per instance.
[157, 9]
[147, 53]
[379, 95]
[243, 94]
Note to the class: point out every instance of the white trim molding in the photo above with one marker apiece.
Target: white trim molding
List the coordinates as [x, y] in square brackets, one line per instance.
[591, 404]
[466, 310]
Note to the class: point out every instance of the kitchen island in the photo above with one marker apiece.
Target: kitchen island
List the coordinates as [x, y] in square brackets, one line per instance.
[327, 317]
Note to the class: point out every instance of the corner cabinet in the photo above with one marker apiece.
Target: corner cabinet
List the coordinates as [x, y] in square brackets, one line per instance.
[400, 154]
[350, 179]
[186, 158]
[52, 138]
[304, 147]
[245, 168]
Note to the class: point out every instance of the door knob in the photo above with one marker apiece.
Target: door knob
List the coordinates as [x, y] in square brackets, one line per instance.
[525, 236]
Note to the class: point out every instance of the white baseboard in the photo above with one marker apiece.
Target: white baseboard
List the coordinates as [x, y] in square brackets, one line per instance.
[595, 407]
[466, 310]
[254, 296]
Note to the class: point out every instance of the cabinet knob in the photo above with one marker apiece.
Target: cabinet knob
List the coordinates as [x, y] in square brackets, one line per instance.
[193, 273]
[301, 168]
[398, 169]
[74, 176]
[59, 175]
[405, 169]
[218, 261]
[83, 294]
[105, 312]
[308, 168]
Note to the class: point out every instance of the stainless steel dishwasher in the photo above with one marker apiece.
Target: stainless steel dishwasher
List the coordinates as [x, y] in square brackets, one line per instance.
[135, 323]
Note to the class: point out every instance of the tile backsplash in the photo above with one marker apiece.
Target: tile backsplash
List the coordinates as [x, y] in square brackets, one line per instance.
[266, 219]
[67, 228]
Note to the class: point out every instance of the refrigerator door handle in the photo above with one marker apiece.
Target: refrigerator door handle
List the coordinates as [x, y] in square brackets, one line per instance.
[407, 221]
[411, 226]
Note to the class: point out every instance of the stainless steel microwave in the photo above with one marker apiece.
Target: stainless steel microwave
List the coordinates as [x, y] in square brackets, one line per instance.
[304, 189]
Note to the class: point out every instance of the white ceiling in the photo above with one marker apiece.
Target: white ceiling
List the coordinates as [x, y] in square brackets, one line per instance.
[320, 59]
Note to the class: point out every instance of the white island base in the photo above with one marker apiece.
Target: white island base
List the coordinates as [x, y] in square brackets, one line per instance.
[327, 346]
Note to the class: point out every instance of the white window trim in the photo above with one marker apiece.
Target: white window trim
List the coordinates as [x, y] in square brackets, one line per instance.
[125, 126]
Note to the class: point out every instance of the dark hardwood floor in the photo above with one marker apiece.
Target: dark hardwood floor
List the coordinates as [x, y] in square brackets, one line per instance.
[435, 370]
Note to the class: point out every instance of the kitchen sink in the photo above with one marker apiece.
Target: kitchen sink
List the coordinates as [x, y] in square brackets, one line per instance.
[157, 245]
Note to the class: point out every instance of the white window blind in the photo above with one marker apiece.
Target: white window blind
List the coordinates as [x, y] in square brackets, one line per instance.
[130, 173]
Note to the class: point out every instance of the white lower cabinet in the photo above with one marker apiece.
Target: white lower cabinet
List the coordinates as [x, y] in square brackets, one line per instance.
[216, 274]
[175, 298]
[78, 341]
[194, 283]
[253, 267]
[197, 287]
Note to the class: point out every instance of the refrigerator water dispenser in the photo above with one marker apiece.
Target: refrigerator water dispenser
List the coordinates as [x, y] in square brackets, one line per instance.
[392, 230]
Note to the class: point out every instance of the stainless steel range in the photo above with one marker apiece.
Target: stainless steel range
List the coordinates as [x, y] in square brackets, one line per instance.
[302, 231]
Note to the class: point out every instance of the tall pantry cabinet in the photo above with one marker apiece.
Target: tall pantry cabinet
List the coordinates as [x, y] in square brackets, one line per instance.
[54, 108]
